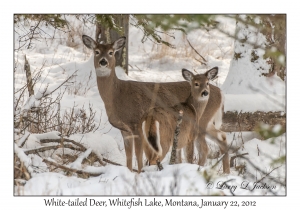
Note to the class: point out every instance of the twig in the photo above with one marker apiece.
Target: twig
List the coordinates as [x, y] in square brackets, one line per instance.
[116, 164]
[81, 172]
[196, 51]
[130, 66]
[43, 149]
[236, 156]
[175, 141]
[200, 62]
[138, 67]
[268, 174]
[266, 95]
[70, 77]
[258, 169]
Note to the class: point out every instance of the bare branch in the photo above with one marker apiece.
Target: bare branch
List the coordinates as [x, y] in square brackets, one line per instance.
[81, 172]
[70, 77]
[43, 149]
[205, 61]
[236, 156]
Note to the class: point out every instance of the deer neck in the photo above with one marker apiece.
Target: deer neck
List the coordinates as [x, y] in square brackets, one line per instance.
[107, 86]
[198, 106]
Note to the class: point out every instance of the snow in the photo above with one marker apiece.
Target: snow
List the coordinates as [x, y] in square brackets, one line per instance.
[24, 137]
[148, 63]
[102, 145]
[77, 163]
[242, 69]
[23, 157]
[254, 102]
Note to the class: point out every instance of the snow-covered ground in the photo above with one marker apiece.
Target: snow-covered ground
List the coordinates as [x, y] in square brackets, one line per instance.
[148, 62]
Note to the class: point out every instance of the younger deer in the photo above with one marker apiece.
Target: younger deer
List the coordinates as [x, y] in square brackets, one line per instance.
[158, 125]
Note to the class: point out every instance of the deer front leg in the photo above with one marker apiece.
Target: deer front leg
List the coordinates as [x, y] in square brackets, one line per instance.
[128, 145]
[189, 151]
[138, 146]
[220, 138]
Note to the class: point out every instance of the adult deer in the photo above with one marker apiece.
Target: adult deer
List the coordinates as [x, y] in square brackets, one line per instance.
[158, 125]
[126, 102]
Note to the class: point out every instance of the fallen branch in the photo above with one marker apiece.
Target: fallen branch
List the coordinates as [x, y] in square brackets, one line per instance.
[81, 172]
[23, 139]
[82, 148]
[43, 149]
[25, 163]
[59, 141]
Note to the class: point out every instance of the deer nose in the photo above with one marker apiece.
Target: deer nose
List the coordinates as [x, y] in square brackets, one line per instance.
[204, 93]
[103, 62]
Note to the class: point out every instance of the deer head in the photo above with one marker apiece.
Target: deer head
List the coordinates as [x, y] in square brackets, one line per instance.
[104, 54]
[200, 83]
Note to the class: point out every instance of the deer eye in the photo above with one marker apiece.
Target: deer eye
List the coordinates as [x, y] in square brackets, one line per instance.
[111, 53]
[97, 52]
[207, 83]
[196, 84]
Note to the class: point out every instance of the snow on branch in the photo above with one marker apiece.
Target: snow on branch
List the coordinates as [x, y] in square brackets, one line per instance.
[22, 141]
[23, 158]
[82, 148]
[43, 149]
[77, 163]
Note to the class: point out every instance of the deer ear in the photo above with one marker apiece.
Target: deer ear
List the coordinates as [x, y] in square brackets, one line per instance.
[118, 44]
[187, 75]
[212, 73]
[89, 42]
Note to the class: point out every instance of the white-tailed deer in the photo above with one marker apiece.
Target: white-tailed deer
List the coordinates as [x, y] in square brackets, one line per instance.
[158, 125]
[126, 102]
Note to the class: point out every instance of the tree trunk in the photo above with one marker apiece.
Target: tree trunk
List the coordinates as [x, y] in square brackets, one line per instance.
[109, 35]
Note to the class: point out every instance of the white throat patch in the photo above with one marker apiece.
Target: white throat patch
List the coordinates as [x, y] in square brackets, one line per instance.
[103, 72]
[205, 98]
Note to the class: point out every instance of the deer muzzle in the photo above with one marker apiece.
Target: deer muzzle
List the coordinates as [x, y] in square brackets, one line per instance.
[204, 93]
[103, 62]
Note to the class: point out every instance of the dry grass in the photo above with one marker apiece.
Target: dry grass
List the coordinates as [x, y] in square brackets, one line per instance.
[206, 45]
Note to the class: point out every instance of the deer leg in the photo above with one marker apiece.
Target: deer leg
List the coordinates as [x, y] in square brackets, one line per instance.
[202, 149]
[220, 138]
[138, 146]
[128, 145]
[189, 152]
[178, 156]
[158, 163]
